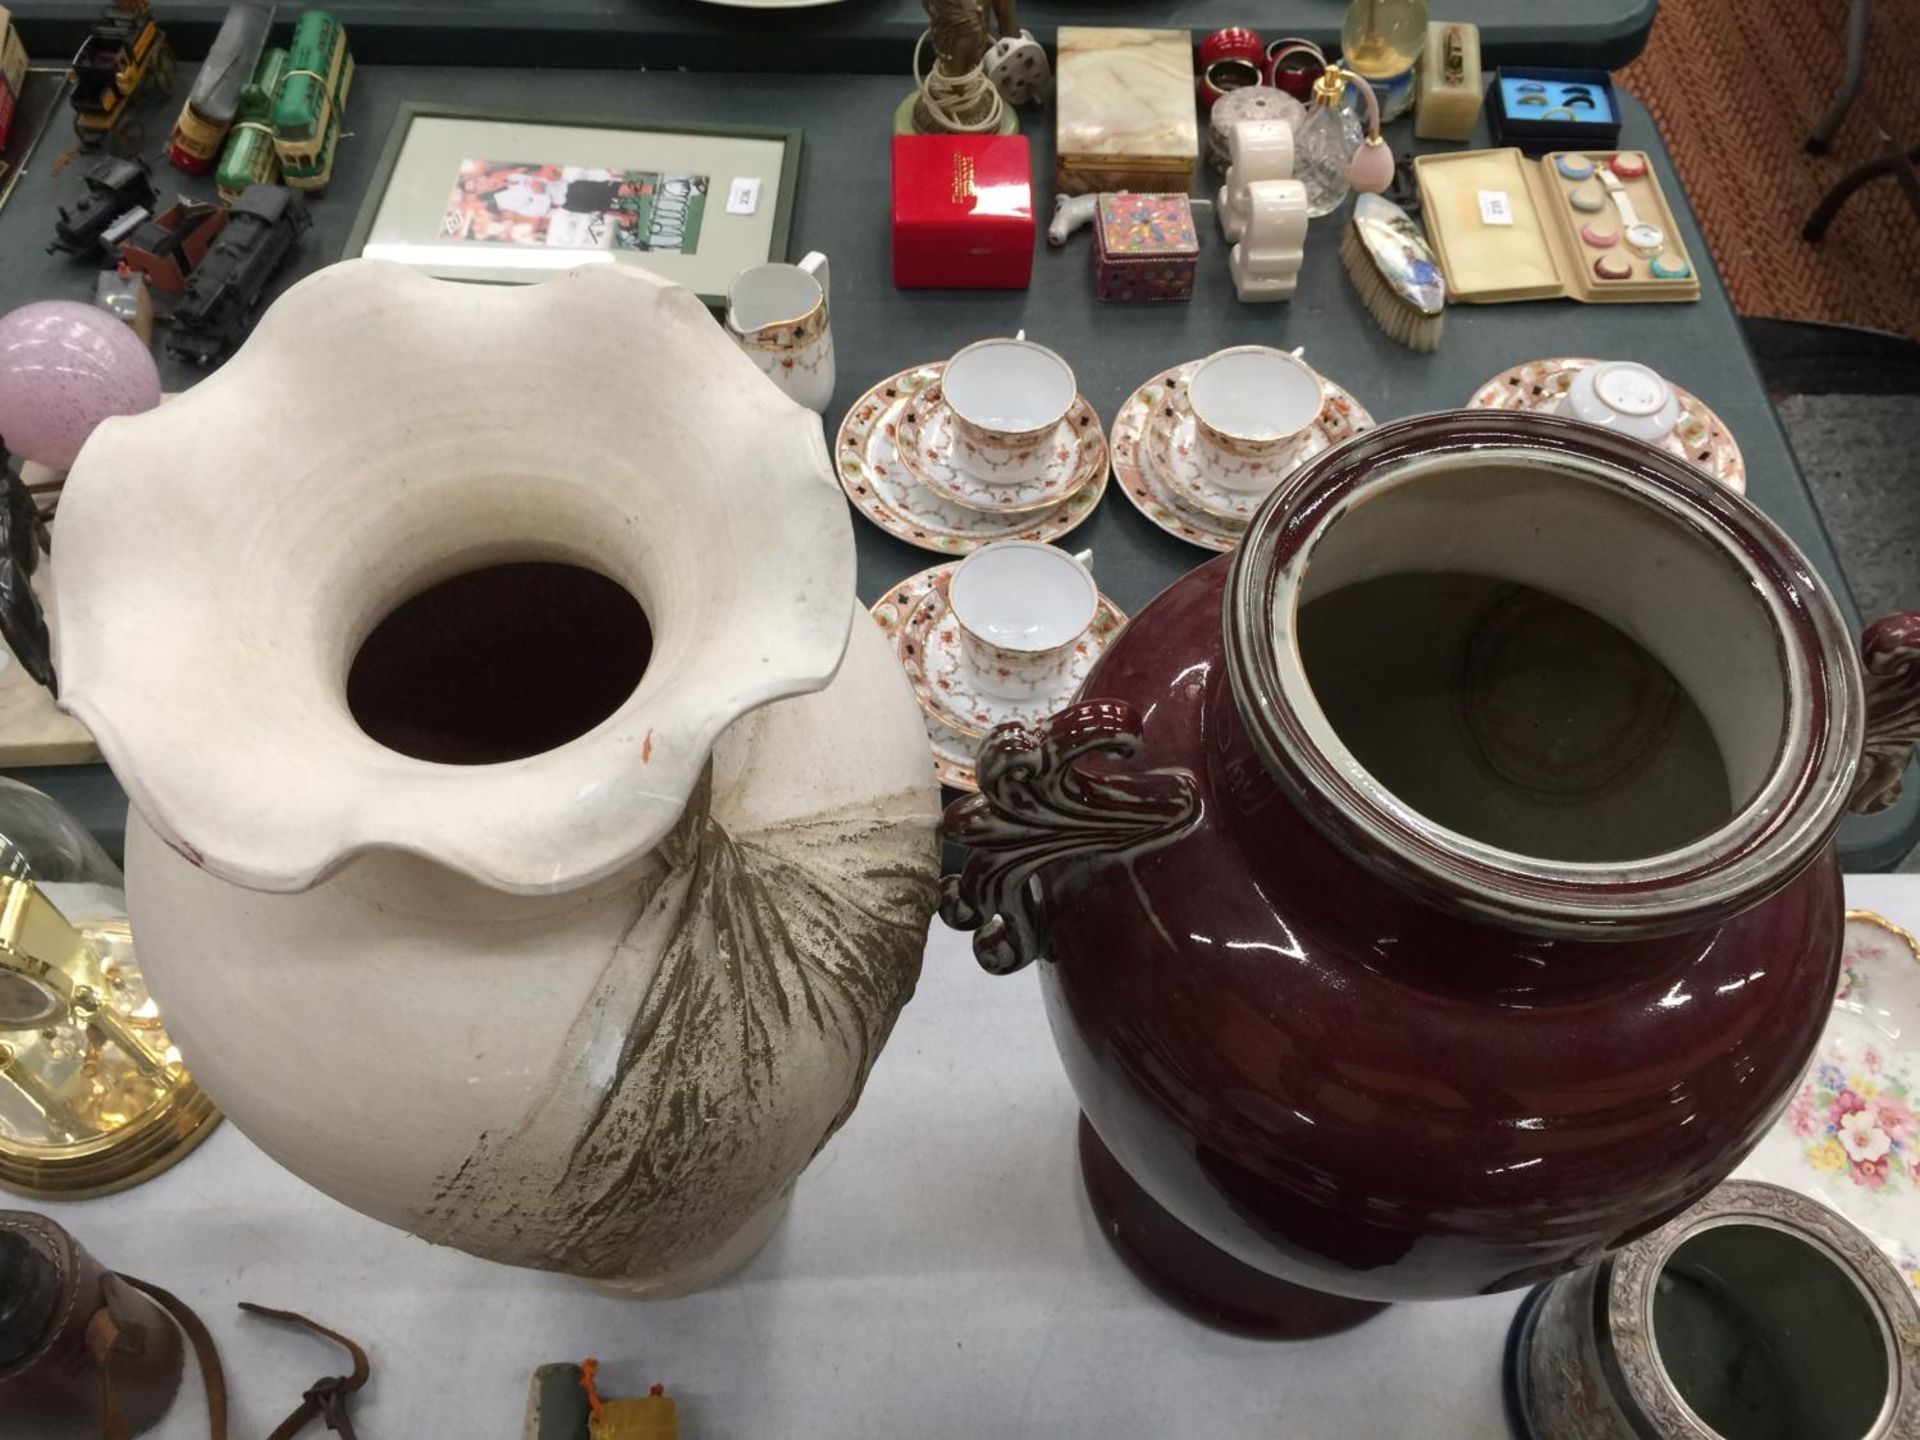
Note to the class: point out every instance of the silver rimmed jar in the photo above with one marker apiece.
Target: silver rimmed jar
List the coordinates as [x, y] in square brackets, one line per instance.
[1757, 1313]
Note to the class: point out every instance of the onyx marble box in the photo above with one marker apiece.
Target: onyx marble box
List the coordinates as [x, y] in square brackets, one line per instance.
[1125, 109]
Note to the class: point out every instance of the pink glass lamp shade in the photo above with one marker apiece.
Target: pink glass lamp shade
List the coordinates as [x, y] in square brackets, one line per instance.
[65, 367]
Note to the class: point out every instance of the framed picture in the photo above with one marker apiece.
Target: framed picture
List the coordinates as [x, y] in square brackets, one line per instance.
[469, 195]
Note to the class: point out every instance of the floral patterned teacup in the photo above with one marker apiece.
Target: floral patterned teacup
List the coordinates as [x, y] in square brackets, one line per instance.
[1252, 406]
[1008, 398]
[778, 315]
[1021, 608]
[1624, 397]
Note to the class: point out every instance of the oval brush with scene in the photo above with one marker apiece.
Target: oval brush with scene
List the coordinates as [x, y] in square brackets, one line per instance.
[1393, 268]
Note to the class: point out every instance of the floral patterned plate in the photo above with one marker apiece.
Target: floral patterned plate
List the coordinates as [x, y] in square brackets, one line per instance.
[1849, 1136]
[924, 441]
[1145, 474]
[905, 615]
[953, 752]
[883, 490]
[1144, 481]
[1173, 434]
[1699, 437]
[929, 649]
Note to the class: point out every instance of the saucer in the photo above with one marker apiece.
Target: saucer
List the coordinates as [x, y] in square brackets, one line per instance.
[1144, 481]
[1699, 437]
[924, 438]
[886, 492]
[944, 684]
[1173, 434]
[1146, 476]
[1850, 1137]
[917, 623]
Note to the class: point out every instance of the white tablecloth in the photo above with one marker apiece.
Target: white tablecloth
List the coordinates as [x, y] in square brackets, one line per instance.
[940, 1276]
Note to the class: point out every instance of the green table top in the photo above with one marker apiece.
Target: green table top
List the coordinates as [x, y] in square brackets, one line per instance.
[842, 208]
[874, 36]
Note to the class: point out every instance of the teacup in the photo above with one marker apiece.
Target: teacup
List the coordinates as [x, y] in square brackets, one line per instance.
[778, 315]
[1624, 397]
[1021, 608]
[1007, 398]
[1251, 409]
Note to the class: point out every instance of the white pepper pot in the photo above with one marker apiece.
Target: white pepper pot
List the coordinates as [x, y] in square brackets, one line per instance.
[590, 1009]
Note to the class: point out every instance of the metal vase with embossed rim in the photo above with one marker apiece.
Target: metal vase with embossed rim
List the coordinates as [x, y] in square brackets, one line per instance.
[1439, 892]
[1757, 1314]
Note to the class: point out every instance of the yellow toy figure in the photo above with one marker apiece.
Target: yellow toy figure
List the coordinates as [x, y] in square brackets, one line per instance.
[653, 1416]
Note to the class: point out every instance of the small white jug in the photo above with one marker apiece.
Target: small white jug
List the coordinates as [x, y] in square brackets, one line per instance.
[778, 314]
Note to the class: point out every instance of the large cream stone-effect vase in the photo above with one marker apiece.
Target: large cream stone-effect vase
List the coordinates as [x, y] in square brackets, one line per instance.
[591, 1009]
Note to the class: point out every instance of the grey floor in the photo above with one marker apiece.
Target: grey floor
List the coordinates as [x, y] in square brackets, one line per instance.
[1861, 456]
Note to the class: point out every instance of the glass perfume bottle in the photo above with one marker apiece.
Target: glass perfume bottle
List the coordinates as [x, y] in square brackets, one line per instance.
[1324, 148]
[1381, 40]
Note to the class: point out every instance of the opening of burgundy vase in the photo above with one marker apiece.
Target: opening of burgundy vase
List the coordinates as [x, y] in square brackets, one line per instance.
[499, 663]
[1545, 667]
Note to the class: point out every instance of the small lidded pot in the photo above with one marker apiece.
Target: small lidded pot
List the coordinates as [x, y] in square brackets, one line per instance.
[1756, 1312]
[1251, 406]
[1021, 609]
[1256, 102]
[1007, 398]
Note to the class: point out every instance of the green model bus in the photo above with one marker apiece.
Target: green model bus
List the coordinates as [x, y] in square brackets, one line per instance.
[306, 116]
[249, 157]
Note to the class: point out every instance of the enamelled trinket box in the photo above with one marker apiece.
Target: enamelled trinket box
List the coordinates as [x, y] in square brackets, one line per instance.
[1144, 248]
[962, 212]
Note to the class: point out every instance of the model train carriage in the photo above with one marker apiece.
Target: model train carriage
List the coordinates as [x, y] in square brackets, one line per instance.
[249, 158]
[196, 141]
[306, 117]
[230, 286]
[217, 90]
[118, 57]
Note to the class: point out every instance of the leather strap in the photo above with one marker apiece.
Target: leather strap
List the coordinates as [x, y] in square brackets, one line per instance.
[326, 1399]
[212, 1374]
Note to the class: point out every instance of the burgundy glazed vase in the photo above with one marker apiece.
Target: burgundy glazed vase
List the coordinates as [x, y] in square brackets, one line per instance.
[1439, 892]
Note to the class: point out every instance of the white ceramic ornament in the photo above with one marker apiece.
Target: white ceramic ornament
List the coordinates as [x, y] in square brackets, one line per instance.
[589, 1009]
[1265, 265]
[1018, 69]
[1071, 213]
[1257, 150]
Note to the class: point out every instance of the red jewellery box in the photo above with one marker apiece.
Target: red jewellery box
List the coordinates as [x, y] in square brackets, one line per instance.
[13, 71]
[962, 212]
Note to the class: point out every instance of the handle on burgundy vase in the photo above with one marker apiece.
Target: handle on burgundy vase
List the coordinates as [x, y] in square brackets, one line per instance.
[1038, 817]
[1890, 652]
